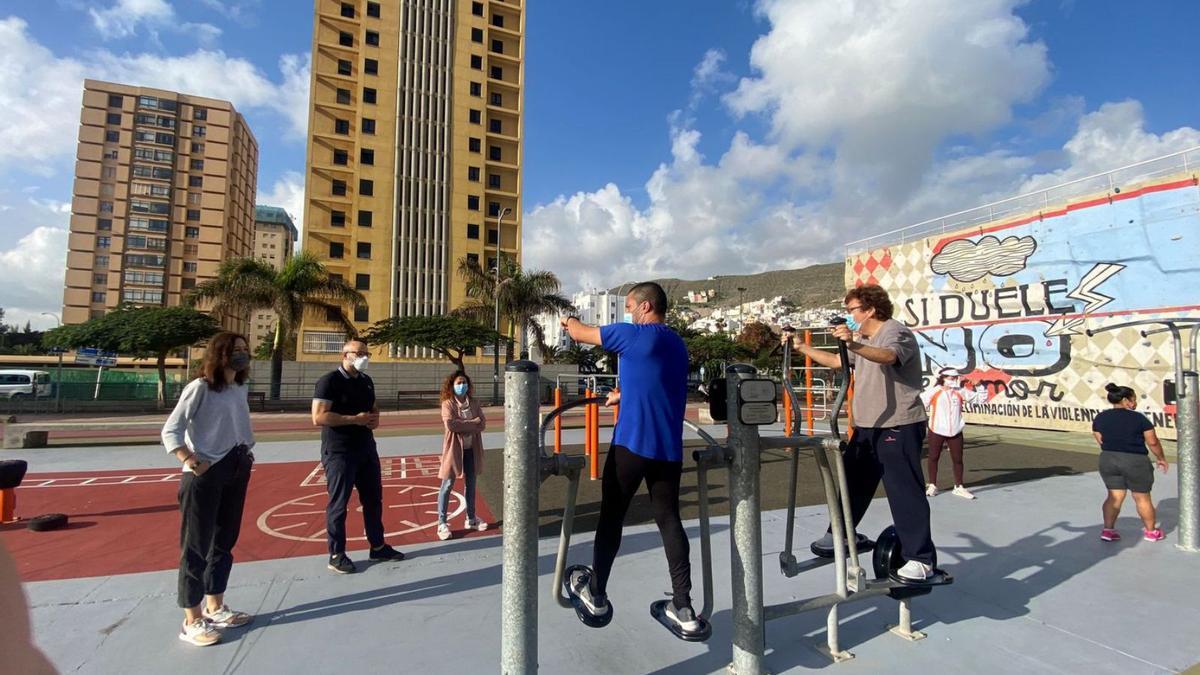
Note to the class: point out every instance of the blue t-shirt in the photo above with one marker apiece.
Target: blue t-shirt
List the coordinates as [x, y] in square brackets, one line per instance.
[653, 370]
[1122, 430]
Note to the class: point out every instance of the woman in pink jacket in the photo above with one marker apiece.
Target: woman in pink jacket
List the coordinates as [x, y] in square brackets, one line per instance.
[462, 448]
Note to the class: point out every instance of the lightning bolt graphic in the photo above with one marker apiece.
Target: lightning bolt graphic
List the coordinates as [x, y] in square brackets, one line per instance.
[1086, 292]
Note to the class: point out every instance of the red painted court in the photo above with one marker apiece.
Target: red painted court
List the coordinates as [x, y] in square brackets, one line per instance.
[128, 521]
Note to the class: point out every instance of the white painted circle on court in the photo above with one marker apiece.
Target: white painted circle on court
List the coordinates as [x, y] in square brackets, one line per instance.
[303, 518]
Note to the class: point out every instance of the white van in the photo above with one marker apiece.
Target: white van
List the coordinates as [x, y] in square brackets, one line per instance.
[17, 384]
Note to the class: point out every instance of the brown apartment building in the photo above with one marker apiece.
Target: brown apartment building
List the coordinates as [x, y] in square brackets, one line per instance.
[414, 153]
[275, 238]
[164, 191]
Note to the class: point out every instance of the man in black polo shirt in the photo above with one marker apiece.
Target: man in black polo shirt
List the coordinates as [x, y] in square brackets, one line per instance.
[344, 407]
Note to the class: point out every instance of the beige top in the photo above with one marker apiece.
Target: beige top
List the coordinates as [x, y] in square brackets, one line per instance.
[888, 396]
[461, 432]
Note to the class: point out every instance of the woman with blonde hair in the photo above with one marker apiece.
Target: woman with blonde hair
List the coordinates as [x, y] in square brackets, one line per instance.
[462, 448]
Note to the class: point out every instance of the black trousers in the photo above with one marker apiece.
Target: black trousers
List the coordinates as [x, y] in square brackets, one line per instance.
[623, 474]
[344, 472]
[893, 454]
[211, 508]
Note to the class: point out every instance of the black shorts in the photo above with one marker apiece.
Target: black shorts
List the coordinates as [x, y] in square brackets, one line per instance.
[1126, 471]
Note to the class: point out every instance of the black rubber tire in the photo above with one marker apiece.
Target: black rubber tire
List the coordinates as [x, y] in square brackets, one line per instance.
[12, 472]
[886, 557]
[47, 522]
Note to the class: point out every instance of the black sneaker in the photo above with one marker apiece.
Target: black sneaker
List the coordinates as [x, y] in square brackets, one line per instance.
[684, 617]
[341, 564]
[386, 552]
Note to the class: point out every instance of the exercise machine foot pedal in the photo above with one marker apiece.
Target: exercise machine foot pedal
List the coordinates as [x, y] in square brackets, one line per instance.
[658, 610]
[585, 615]
[864, 545]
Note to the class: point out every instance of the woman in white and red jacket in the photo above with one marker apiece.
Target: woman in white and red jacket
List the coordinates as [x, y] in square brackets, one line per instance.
[945, 405]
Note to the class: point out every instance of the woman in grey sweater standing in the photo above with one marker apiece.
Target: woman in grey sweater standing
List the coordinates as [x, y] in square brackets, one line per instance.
[209, 432]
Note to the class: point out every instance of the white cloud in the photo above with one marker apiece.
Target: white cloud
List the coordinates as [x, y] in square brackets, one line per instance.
[41, 257]
[124, 16]
[287, 192]
[242, 12]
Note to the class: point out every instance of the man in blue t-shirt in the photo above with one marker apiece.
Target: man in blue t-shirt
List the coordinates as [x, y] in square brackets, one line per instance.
[647, 444]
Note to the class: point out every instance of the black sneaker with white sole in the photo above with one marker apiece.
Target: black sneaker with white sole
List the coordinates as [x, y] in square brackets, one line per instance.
[594, 610]
[386, 552]
[341, 564]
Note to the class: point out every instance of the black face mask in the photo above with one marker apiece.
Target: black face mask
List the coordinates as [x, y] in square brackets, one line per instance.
[239, 361]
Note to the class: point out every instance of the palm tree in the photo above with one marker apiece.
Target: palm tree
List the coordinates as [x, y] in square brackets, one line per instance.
[302, 286]
[522, 297]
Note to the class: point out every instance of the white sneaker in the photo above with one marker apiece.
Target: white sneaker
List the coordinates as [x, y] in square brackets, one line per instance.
[914, 571]
[225, 617]
[476, 524]
[200, 633]
[960, 491]
[930, 490]
[685, 617]
[580, 585]
[443, 531]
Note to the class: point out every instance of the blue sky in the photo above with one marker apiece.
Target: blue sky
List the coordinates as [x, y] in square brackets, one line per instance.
[665, 138]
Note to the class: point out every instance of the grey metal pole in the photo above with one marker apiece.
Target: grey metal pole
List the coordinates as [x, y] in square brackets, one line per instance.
[749, 636]
[518, 633]
[1188, 446]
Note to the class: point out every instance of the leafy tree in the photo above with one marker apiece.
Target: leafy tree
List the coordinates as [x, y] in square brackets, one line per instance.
[713, 350]
[523, 295]
[679, 323]
[302, 287]
[578, 355]
[450, 336]
[141, 332]
[757, 336]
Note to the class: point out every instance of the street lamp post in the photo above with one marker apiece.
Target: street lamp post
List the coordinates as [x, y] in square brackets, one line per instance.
[58, 384]
[496, 304]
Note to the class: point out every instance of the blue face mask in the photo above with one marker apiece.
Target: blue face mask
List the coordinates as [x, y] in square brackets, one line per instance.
[460, 389]
[627, 317]
[851, 323]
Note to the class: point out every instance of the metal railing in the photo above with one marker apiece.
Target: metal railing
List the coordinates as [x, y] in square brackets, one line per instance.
[1111, 182]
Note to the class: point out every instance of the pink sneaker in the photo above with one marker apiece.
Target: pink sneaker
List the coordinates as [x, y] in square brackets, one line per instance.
[1110, 535]
[1153, 535]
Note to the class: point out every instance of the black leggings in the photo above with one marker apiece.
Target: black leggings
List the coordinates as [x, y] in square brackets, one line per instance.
[623, 474]
[955, 443]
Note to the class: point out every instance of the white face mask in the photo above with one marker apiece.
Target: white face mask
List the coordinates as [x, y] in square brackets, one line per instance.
[361, 362]
[952, 383]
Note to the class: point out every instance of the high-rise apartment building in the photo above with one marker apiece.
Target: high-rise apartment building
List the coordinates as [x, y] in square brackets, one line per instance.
[274, 240]
[164, 191]
[414, 152]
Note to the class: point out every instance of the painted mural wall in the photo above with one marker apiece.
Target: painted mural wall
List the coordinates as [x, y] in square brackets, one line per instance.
[1009, 303]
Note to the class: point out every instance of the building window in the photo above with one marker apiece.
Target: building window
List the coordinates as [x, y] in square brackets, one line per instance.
[115, 101]
[100, 279]
[199, 132]
[477, 62]
[372, 38]
[477, 35]
[193, 198]
[200, 114]
[103, 242]
[112, 136]
[191, 232]
[475, 117]
[373, 10]
[103, 223]
[197, 148]
[361, 314]
[341, 127]
[108, 172]
[368, 126]
[195, 181]
[493, 208]
[106, 207]
[190, 249]
[193, 214]
[366, 187]
[337, 218]
[494, 153]
[113, 118]
[339, 187]
[472, 231]
[491, 240]
[366, 156]
[343, 67]
[364, 250]
[473, 144]
[97, 296]
[473, 259]
[189, 267]
[476, 89]
[371, 67]
[348, 10]
[497, 73]
[341, 157]
[197, 165]
[494, 180]
[494, 126]
[345, 39]
[101, 261]
[498, 46]
[472, 202]
[362, 282]
[187, 283]
[110, 154]
[337, 250]
[368, 95]
[473, 174]
[343, 96]
[477, 8]
[498, 20]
